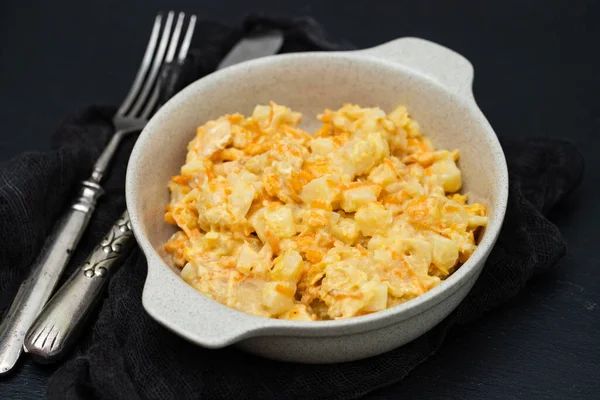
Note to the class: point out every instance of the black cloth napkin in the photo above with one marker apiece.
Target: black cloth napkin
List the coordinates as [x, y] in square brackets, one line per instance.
[127, 355]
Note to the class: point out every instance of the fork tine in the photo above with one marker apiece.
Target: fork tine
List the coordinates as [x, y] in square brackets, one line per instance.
[175, 38]
[171, 52]
[156, 64]
[146, 61]
[187, 40]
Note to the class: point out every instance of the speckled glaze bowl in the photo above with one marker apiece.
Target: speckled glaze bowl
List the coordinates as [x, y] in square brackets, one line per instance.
[432, 81]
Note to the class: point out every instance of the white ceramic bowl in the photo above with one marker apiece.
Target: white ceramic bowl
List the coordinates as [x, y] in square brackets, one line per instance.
[432, 81]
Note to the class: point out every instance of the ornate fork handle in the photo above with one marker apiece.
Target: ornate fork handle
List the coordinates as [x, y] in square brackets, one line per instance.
[63, 318]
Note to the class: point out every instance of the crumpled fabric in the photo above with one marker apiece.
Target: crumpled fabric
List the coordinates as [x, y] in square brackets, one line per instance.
[127, 355]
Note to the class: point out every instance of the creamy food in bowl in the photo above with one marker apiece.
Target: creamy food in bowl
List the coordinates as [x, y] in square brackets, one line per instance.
[398, 209]
[361, 216]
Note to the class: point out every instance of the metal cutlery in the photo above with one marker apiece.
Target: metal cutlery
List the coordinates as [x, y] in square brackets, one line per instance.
[132, 115]
[252, 46]
[62, 319]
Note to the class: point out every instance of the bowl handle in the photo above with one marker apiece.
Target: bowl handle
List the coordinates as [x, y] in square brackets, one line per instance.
[209, 324]
[433, 60]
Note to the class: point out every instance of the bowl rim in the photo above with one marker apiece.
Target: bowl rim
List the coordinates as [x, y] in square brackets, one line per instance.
[256, 326]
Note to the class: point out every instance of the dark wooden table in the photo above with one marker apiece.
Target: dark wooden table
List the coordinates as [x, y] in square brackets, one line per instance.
[537, 74]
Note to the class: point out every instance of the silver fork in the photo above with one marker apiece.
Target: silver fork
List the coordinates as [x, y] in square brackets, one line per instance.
[133, 115]
[141, 101]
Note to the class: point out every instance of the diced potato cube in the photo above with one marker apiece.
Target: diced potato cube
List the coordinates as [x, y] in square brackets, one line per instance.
[454, 214]
[240, 199]
[376, 294]
[342, 276]
[257, 221]
[354, 198]
[394, 188]
[413, 129]
[344, 307]
[195, 168]
[297, 313]
[322, 189]
[416, 171]
[288, 267]
[430, 281]
[366, 153]
[280, 222]
[333, 217]
[382, 257]
[317, 218]
[413, 188]
[342, 123]
[266, 255]
[322, 146]
[261, 113]
[344, 165]
[476, 221]
[248, 259]
[188, 273]
[211, 239]
[229, 154]
[279, 115]
[459, 198]
[241, 137]
[472, 209]
[373, 219]
[399, 116]
[376, 243]
[448, 174]
[257, 163]
[445, 252]
[383, 174]
[175, 246]
[185, 218]
[278, 297]
[215, 216]
[417, 253]
[346, 230]
[217, 137]
[241, 176]
[403, 288]
[398, 140]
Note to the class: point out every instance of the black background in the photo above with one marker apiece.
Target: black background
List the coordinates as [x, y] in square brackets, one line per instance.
[536, 74]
